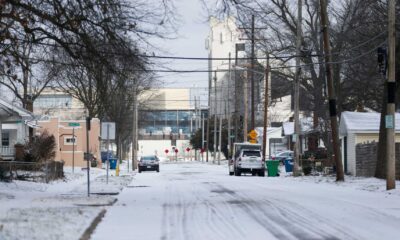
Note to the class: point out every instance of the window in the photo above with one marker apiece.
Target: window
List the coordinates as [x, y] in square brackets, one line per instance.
[53, 101]
[5, 139]
[69, 140]
[251, 154]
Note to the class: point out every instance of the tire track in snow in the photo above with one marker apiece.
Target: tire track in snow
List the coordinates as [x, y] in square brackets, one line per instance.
[278, 224]
[292, 210]
[308, 218]
[220, 217]
[174, 216]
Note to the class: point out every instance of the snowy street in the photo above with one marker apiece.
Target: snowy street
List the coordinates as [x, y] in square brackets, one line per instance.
[201, 201]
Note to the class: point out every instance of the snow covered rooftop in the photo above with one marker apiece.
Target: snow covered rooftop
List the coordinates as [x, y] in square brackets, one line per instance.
[363, 122]
[8, 109]
[306, 125]
[270, 130]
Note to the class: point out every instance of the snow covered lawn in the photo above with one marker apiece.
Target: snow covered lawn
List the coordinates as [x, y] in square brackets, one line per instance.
[58, 210]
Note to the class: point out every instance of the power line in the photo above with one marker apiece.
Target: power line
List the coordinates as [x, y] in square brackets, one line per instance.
[218, 70]
[207, 58]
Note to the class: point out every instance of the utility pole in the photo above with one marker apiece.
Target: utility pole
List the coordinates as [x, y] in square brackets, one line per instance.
[236, 97]
[266, 96]
[331, 93]
[245, 109]
[134, 131]
[73, 149]
[88, 158]
[228, 107]
[296, 137]
[252, 74]
[215, 116]
[219, 140]
[202, 136]
[391, 96]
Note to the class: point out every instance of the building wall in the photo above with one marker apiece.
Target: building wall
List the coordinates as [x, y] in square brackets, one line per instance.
[61, 130]
[351, 154]
[165, 99]
[223, 36]
[58, 104]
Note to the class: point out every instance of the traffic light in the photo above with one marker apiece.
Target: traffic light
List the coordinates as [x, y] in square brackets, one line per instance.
[382, 60]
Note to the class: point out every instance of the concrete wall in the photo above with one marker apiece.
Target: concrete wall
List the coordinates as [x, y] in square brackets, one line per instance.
[155, 99]
[158, 147]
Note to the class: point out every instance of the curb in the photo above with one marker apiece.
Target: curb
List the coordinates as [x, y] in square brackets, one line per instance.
[88, 232]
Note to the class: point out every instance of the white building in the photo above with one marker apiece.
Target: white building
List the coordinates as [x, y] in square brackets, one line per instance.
[221, 43]
[14, 128]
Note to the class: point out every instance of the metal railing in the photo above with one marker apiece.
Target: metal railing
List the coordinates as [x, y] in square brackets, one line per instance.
[7, 151]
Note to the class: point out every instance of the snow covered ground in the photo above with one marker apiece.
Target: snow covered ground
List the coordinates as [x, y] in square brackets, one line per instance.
[200, 201]
[59, 210]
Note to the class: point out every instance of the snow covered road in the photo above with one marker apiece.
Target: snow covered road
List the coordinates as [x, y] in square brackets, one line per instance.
[200, 201]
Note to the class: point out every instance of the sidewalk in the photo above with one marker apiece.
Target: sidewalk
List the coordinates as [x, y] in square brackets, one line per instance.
[60, 209]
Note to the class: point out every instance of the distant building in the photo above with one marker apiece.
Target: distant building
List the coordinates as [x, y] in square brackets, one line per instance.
[58, 104]
[167, 119]
[226, 38]
[222, 39]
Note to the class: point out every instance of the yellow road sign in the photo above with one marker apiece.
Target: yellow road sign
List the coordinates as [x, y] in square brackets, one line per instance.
[253, 134]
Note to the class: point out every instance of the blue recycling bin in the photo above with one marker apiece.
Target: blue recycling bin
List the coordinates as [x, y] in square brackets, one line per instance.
[113, 163]
[104, 156]
[289, 165]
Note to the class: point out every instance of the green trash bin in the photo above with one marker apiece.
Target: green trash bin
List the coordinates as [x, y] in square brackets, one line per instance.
[272, 168]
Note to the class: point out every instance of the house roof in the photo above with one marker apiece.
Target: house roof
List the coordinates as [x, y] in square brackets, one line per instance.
[306, 125]
[270, 130]
[363, 122]
[9, 109]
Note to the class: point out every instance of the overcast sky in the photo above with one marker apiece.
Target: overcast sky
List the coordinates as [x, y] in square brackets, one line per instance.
[192, 32]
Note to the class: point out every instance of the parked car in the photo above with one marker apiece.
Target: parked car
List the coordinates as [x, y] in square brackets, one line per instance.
[281, 156]
[237, 148]
[249, 161]
[149, 163]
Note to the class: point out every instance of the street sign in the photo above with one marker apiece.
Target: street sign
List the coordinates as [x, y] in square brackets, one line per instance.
[294, 137]
[166, 151]
[176, 150]
[111, 130]
[253, 134]
[187, 149]
[389, 123]
[74, 124]
[87, 156]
